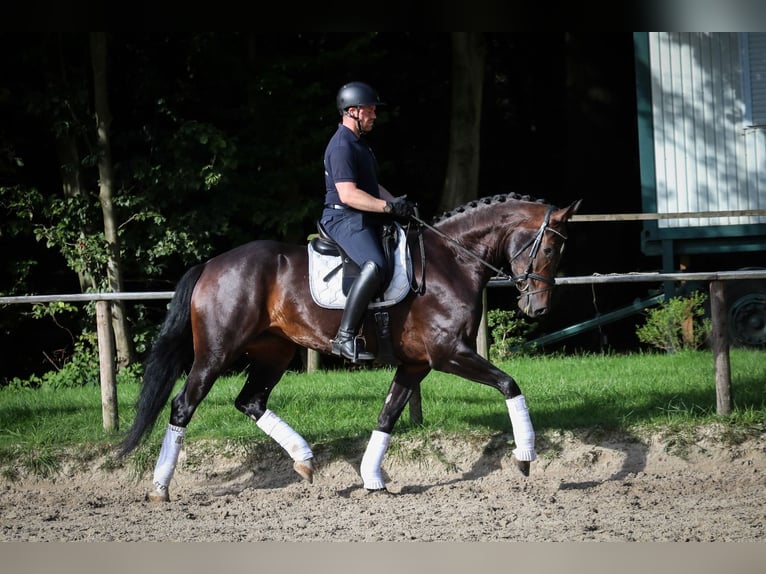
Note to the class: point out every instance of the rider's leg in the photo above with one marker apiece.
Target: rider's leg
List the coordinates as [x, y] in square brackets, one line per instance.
[345, 344]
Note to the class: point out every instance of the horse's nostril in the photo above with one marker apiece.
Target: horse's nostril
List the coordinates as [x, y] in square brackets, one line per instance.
[540, 311]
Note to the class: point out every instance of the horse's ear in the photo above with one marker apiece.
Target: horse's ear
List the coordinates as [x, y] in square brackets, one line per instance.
[563, 215]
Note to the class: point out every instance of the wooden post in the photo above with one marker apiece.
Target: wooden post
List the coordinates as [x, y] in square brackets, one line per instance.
[416, 407]
[720, 337]
[482, 344]
[106, 365]
[312, 360]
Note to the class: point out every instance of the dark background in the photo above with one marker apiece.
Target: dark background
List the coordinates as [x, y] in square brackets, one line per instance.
[559, 123]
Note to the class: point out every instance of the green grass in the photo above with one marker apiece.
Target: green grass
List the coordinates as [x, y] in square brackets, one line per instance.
[337, 410]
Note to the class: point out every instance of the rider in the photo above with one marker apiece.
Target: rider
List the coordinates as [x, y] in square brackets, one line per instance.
[353, 200]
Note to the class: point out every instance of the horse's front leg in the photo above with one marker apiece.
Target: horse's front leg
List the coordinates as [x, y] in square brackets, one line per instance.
[468, 364]
[406, 380]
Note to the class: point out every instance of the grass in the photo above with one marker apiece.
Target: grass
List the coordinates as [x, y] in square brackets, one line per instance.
[336, 410]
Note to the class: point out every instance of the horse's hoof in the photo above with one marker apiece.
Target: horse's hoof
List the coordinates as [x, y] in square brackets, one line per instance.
[522, 465]
[305, 468]
[159, 494]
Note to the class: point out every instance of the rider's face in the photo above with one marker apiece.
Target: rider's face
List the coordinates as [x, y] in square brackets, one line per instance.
[366, 116]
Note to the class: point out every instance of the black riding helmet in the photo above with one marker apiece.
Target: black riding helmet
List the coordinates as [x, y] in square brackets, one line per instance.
[355, 94]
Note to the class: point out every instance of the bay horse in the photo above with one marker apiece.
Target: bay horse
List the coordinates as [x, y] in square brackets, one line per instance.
[255, 301]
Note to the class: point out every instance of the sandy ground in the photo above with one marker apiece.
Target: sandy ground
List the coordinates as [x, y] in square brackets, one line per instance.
[701, 488]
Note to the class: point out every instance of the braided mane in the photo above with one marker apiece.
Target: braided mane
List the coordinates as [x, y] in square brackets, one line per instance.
[484, 201]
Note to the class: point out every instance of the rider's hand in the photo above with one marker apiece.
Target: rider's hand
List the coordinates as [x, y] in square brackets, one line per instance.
[401, 208]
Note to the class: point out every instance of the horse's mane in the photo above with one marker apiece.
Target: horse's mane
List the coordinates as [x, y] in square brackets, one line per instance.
[489, 200]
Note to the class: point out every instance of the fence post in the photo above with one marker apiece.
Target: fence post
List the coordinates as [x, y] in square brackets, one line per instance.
[106, 366]
[313, 361]
[482, 342]
[720, 341]
[416, 407]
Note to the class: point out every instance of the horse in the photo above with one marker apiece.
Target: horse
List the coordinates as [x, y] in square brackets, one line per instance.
[254, 301]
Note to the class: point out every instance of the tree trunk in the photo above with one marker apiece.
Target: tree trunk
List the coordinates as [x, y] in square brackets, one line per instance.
[69, 162]
[462, 180]
[468, 63]
[122, 339]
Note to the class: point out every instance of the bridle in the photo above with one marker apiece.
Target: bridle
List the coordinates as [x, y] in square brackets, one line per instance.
[522, 280]
[535, 242]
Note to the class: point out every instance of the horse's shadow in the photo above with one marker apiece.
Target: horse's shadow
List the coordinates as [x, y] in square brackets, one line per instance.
[267, 468]
[263, 468]
[634, 461]
[491, 460]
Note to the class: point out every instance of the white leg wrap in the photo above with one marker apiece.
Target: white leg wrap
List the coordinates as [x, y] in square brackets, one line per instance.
[295, 445]
[523, 433]
[171, 447]
[372, 459]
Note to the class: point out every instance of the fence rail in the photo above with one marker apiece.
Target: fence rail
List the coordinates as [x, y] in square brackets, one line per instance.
[648, 277]
[596, 278]
[88, 297]
[577, 217]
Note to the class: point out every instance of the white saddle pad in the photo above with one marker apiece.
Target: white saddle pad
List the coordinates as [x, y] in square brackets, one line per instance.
[327, 289]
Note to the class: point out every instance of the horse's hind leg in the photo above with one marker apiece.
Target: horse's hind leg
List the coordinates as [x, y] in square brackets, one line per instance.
[406, 380]
[271, 360]
[198, 384]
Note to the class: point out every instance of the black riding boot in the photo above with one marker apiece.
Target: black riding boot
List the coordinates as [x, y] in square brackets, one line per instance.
[345, 344]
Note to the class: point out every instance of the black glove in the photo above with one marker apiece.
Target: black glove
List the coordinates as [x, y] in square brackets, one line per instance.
[401, 208]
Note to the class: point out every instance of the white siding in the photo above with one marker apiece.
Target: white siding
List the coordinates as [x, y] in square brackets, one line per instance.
[755, 75]
[707, 158]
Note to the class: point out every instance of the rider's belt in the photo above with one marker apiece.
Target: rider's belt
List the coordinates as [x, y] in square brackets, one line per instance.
[336, 206]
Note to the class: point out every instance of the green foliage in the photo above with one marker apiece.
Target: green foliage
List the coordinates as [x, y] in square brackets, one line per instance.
[71, 226]
[79, 369]
[60, 223]
[508, 333]
[52, 309]
[677, 324]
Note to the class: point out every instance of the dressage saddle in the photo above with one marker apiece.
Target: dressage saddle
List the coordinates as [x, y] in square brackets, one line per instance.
[326, 245]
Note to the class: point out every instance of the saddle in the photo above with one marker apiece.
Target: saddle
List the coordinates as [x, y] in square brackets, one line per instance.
[332, 272]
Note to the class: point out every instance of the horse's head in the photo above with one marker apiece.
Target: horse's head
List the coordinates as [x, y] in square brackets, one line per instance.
[534, 255]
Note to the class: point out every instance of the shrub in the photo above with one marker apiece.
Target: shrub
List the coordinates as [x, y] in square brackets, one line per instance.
[677, 324]
[508, 333]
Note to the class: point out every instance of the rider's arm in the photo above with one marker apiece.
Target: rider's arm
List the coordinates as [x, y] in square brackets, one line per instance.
[359, 199]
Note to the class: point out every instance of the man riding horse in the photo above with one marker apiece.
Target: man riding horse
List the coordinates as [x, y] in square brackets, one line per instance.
[355, 207]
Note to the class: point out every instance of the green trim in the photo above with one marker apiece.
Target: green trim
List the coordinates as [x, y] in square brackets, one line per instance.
[755, 231]
[645, 127]
[700, 245]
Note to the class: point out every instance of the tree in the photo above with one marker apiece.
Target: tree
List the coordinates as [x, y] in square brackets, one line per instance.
[122, 338]
[468, 58]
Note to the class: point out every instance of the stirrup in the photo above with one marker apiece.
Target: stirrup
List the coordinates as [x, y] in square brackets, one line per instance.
[355, 354]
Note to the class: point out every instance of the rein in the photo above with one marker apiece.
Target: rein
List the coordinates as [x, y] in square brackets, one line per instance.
[535, 242]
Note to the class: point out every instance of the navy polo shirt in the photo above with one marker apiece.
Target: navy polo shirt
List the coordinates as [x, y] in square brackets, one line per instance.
[348, 158]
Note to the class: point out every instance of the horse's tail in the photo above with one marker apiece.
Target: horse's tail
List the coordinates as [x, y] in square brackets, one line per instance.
[170, 356]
